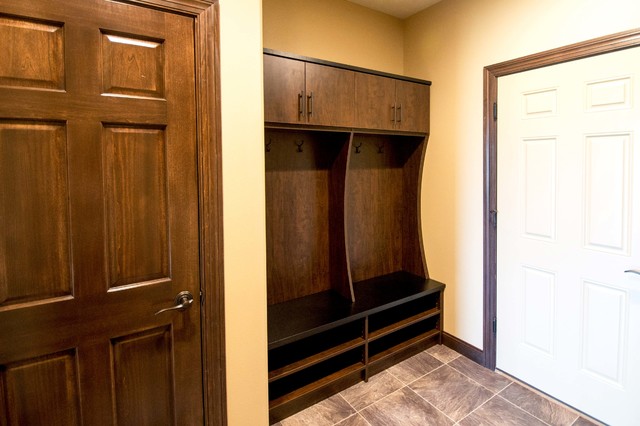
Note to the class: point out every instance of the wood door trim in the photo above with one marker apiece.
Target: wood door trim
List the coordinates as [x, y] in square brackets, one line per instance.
[207, 50]
[593, 47]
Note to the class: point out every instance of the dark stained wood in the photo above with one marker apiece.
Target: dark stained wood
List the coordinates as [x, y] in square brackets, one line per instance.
[347, 282]
[329, 95]
[412, 106]
[375, 102]
[20, 68]
[143, 377]
[35, 252]
[92, 322]
[343, 66]
[38, 377]
[339, 273]
[388, 104]
[413, 257]
[301, 167]
[284, 90]
[383, 231]
[208, 106]
[136, 232]
[317, 354]
[585, 49]
[299, 92]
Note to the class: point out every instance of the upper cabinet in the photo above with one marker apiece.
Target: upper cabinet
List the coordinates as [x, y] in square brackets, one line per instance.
[298, 92]
[385, 103]
[307, 92]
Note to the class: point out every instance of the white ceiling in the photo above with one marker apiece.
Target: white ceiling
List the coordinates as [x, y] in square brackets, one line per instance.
[399, 8]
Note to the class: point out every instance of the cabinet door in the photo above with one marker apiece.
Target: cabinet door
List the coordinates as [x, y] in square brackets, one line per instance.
[412, 104]
[330, 96]
[283, 90]
[375, 102]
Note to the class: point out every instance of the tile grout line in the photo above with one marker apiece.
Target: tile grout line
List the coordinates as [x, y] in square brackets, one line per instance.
[431, 404]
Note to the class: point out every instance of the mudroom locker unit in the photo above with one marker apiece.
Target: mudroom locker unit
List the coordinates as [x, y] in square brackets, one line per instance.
[348, 288]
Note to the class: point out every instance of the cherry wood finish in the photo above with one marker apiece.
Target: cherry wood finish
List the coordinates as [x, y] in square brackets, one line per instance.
[347, 283]
[100, 210]
[593, 47]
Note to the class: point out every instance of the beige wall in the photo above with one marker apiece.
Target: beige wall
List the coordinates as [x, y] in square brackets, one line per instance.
[334, 30]
[243, 198]
[450, 43]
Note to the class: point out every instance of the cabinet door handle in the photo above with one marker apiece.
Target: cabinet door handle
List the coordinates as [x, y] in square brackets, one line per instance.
[399, 109]
[633, 271]
[310, 104]
[300, 105]
[393, 113]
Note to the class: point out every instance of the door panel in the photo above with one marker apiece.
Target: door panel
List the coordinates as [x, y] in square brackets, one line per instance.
[284, 95]
[412, 104]
[568, 157]
[375, 101]
[99, 206]
[330, 95]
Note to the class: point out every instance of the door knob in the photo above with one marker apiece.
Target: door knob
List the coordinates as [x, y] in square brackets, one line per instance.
[184, 299]
[633, 271]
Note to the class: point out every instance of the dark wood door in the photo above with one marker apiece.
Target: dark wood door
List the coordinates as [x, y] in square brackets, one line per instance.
[284, 95]
[330, 95]
[412, 104]
[375, 102]
[99, 215]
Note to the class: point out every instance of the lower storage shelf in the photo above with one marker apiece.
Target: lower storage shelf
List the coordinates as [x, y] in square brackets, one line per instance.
[311, 364]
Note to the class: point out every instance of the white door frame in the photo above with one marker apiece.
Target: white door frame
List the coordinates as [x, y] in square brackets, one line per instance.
[598, 46]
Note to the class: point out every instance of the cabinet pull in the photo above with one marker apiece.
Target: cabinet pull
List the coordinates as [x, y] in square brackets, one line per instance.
[393, 113]
[300, 105]
[399, 109]
[310, 104]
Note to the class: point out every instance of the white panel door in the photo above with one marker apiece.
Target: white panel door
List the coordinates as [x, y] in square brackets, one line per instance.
[568, 229]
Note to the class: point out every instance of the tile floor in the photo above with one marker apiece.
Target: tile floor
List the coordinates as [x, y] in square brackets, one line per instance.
[437, 387]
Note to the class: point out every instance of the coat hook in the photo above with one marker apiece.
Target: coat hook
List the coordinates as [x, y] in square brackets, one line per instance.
[380, 146]
[267, 145]
[358, 148]
[299, 145]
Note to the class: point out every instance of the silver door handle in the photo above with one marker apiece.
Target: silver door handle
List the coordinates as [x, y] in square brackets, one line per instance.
[633, 271]
[184, 300]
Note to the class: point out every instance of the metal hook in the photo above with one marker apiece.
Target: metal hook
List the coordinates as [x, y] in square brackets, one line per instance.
[299, 145]
[358, 148]
[267, 145]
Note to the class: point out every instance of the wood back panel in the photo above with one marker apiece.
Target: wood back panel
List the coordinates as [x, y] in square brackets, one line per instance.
[301, 168]
[382, 206]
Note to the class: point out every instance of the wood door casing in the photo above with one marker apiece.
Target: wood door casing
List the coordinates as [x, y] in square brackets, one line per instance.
[99, 206]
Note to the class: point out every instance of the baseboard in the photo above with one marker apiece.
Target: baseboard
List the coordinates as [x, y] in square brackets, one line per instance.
[463, 348]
